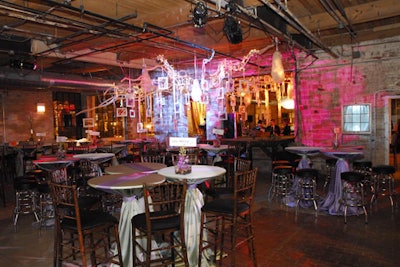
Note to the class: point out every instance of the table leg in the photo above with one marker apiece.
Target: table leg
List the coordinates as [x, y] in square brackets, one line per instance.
[331, 202]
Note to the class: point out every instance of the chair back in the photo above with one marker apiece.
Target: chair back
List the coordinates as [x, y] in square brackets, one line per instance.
[193, 159]
[65, 201]
[164, 203]
[153, 158]
[244, 189]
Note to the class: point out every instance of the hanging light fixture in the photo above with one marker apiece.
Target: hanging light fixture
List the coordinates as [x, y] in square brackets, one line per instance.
[196, 89]
[233, 30]
[200, 15]
[277, 71]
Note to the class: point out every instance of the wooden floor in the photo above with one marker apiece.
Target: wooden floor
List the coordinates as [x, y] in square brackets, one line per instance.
[282, 239]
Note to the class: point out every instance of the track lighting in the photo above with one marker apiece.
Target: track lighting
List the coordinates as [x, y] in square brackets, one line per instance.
[200, 15]
[22, 64]
[233, 30]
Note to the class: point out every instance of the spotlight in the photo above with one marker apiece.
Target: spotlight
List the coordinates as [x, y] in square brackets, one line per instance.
[233, 30]
[22, 64]
[200, 15]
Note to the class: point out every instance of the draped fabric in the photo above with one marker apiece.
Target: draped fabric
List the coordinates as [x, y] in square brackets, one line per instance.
[194, 202]
[130, 207]
[196, 115]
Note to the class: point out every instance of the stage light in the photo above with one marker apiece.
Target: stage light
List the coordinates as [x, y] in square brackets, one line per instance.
[200, 15]
[233, 30]
[22, 64]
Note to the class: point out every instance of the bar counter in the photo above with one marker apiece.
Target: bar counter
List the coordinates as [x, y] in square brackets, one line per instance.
[269, 145]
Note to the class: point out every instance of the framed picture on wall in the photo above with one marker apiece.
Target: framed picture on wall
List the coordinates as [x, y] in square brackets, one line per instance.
[130, 102]
[122, 112]
[132, 113]
[88, 123]
[222, 116]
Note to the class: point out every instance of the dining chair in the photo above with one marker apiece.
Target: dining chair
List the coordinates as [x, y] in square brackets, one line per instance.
[79, 234]
[193, 159]
[227, 224]
[220, 188]
[161, 222]
[153, 158]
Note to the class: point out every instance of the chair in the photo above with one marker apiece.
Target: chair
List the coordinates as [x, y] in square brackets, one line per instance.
[162, 219]
[307, 188]
[193, 159]
[224, 188]
[153, 158]
[232, 217]
[383, 183]
[353, 192]
[79, 234]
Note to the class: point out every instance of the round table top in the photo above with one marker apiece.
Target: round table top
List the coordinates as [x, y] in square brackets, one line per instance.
[212, 148]
[303, 150]
[94, 156]
[200, 173]
[50, 163]
[128, 168]
[125, 181]
[342, 152]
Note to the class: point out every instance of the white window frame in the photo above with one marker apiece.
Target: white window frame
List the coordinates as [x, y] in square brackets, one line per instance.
[356, 119]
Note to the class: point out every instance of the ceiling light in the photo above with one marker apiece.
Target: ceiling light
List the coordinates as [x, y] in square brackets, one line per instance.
[233, 30]
[200, 15]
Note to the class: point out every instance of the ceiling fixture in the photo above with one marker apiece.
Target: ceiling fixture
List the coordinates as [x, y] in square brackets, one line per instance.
[22, 64]
[277, 71]
[233, 30]
[200, 15]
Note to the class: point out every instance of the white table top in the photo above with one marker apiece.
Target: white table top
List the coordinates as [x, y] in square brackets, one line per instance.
[212, 148]
[117, 182]
[128, 168]
[94, 156]
[199, 174]
[342, 152]
[303, 150]
[51, 163]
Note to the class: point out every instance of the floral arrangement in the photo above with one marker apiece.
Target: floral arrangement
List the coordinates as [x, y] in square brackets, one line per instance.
[182, 166]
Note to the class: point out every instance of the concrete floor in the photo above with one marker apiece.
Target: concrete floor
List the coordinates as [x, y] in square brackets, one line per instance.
[282, 239]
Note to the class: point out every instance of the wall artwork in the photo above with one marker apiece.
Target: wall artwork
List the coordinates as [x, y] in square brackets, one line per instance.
[88, 123]
[122, 112]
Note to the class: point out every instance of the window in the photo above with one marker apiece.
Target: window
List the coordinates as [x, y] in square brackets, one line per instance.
[357, 118]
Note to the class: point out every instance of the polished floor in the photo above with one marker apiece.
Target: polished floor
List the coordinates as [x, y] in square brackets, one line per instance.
[282, 239]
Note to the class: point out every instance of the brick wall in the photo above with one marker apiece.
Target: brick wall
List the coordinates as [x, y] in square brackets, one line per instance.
[19, 108]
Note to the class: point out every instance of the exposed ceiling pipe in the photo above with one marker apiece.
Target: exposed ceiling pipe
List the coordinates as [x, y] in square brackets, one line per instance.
[328, 5]
[295, 23]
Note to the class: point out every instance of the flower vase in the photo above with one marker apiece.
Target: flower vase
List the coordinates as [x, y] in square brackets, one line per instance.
[183, 166]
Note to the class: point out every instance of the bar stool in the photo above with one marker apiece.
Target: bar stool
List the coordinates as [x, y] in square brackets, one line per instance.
[353, 192]
[282, 181]
[330, 165]
[364, 167]
[307, 187]
[383, 183]
[25, 197]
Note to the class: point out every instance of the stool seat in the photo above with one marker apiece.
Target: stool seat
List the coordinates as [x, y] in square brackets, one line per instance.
[352, 177]
[383, 169]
